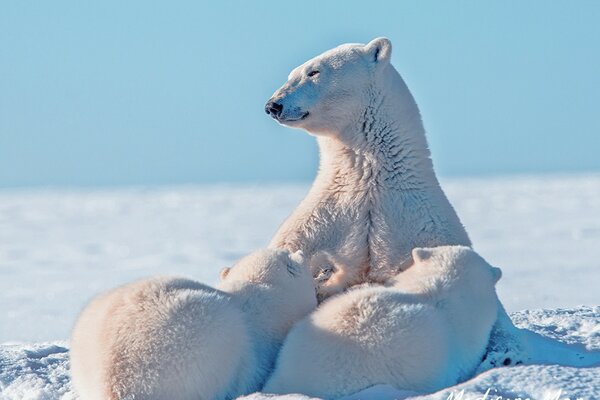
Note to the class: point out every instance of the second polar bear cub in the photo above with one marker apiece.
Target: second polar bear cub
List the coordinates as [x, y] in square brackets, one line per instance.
[171, 338]
[426, 331]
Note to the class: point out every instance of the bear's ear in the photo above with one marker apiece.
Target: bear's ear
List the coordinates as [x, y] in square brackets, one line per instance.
[224, 272]
[298, 257]
[421, 254]
[497, 274]
[379, 50]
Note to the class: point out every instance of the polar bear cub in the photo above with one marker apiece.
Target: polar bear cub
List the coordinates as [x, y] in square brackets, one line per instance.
[171, 338]
[427, 330]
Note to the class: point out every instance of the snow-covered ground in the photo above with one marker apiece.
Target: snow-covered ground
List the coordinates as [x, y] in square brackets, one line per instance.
[40, 371]
[59, 247]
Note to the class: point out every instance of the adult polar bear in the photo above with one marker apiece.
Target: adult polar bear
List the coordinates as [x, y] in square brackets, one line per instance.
[376, 196]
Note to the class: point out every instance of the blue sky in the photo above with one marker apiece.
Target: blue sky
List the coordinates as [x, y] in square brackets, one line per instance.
[116, 93]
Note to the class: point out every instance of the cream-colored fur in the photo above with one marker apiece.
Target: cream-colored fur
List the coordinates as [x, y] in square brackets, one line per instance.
[176, 339]
[423, 332]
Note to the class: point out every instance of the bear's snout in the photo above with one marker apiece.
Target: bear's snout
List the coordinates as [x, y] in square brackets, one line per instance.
[273, 109]
[285, 114]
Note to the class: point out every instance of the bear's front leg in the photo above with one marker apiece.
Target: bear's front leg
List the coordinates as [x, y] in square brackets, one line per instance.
[335, 273]
[506, 346]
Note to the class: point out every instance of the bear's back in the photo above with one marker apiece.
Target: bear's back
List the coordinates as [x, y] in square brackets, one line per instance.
[148, 330]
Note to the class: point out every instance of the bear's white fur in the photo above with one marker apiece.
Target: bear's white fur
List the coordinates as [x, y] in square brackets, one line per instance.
[424, 332]
[376, 196]
[170, 338]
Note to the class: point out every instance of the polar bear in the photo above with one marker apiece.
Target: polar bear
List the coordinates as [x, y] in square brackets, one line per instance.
[376, 195]
[422, 333]
[171, 338]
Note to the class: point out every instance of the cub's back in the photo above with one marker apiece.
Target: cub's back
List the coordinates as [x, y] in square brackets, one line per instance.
[366, 336]
[134, 340]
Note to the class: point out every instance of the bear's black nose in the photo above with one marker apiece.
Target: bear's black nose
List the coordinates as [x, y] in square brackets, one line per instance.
[273, 109]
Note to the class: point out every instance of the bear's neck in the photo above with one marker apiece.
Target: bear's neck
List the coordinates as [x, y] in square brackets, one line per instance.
[385, 144]
[267, 330]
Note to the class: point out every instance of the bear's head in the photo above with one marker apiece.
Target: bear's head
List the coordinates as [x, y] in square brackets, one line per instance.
[280, 280]
[454, 276]
[324, 95]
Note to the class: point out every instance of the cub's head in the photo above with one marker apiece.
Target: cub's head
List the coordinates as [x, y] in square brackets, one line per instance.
[460, 285]
[451, 273]
[325, 94]
[283, 279]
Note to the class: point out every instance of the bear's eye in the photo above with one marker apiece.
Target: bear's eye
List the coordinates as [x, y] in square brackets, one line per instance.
[313, 73]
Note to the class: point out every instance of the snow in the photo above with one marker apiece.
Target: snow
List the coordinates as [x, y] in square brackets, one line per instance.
[37, 371]
[60, 247]
[40, 371]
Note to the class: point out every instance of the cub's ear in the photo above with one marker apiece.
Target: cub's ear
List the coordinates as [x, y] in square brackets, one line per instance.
[497, 274]
[224, 272]
[297, 257]
[421, 254]
[379, 50]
